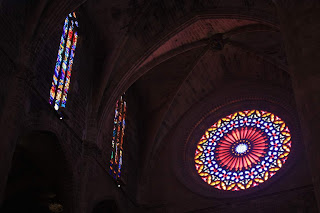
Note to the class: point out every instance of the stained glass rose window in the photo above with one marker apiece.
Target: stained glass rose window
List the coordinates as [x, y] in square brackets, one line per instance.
[242, 150]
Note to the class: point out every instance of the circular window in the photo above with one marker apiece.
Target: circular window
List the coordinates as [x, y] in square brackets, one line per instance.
[242, 150]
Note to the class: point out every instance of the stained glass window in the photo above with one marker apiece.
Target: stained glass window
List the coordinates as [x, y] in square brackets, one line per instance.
[119, 125]
[242, 150]
[62, 73]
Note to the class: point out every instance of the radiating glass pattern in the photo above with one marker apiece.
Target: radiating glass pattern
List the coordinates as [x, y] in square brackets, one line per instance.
[119, 125]
[242, 150]
[62, 73]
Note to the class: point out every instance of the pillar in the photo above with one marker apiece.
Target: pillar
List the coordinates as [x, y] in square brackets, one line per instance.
[300, 28]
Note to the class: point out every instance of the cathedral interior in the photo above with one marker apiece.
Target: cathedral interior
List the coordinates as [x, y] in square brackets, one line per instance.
[160, 106]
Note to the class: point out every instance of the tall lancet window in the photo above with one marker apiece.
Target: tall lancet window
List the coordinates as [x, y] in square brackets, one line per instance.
[119, 125]
[62, 73]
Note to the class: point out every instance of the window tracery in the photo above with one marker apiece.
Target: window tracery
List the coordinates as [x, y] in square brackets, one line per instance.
[119, 125]
[62, 73]
[242, 150]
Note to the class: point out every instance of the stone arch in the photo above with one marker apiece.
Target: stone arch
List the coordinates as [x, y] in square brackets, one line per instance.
[106, 206]
[39, 180]
[160, 50]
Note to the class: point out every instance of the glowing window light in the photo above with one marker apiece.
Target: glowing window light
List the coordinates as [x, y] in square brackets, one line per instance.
[242, 150]
[62, 73]
[119, 125]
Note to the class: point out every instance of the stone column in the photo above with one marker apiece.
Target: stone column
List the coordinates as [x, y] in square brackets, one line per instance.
[300, 28]
[10, 122]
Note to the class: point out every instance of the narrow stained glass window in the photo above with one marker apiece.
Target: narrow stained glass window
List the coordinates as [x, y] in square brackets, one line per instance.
[62, 73]
[119, 125]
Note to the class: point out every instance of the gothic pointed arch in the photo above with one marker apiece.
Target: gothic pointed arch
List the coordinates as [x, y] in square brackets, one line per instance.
[39, 180]
[106, 206]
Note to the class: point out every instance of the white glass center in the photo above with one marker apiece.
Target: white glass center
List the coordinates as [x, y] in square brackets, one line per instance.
[241, 148]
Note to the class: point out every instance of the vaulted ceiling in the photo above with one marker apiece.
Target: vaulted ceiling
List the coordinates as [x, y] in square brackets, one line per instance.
[192, 65]
[175, 54]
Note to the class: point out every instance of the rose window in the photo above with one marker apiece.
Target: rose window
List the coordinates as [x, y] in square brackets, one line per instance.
[242, 150]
